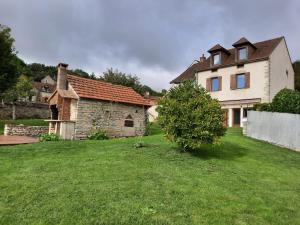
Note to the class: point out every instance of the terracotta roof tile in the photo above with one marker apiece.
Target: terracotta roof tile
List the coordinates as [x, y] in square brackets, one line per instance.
[262, 52]
[94, 89]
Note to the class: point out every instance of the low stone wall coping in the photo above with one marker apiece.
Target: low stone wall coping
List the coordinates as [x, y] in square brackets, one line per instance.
[22, 130]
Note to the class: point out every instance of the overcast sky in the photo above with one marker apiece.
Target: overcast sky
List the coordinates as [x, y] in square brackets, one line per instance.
[155, 40]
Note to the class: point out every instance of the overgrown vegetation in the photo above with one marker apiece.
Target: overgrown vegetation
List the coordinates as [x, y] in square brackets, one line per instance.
[97, 134]
[240, 181]
[190, 117]
[296, 66]
[49, 137]
[285, 101]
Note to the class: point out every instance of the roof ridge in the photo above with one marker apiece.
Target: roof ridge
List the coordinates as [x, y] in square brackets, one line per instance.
[100, 81]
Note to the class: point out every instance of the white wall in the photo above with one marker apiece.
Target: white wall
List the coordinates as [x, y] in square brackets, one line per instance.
[259, 80]
[279, 63]
[152, 113]
[279, 128]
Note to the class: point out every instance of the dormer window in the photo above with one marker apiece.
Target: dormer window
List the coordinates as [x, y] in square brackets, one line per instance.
[242, 53]
[216, 59]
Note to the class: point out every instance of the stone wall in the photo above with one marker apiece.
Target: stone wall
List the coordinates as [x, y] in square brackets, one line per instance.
[25, 110]
[93, 114]
[21, 130]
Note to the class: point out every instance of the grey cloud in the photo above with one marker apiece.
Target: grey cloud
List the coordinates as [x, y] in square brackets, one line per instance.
[154, 39]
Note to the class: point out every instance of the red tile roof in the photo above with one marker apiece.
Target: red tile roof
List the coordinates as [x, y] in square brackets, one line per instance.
[262, 52]
[94, 89]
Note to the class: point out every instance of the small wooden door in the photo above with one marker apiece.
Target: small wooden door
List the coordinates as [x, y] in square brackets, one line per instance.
[225, 117]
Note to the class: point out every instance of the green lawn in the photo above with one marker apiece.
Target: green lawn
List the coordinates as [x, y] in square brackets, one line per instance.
[242, 181]
[31, 122]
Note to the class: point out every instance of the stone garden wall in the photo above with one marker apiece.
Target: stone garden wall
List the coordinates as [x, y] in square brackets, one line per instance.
[109, 117]
[21, 130]
[25, 110]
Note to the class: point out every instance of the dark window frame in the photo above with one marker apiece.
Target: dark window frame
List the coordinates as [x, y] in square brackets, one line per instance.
[236, 80]
[238, 53]
[213, 59]
[211, 84]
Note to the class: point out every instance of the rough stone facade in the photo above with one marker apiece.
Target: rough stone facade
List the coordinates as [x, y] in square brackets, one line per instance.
[25, 110]
[110, 117]
[21, 130]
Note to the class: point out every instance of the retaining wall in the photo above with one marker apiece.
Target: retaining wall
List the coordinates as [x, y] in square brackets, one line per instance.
[25, 110]
[22, 130]
[278, 128]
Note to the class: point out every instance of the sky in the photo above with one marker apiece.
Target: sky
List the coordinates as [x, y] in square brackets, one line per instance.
[153, 39]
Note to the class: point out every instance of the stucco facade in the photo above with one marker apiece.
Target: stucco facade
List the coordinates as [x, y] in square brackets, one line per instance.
[265, 69]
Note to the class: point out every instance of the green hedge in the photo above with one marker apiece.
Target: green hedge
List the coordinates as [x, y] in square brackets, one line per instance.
[285, 101]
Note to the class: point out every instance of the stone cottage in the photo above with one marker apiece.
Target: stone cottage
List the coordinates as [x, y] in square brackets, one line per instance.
[80, 105]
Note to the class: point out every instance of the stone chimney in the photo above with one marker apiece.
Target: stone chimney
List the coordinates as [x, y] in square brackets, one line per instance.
[202, 58]
[62, 76]
[147, 94]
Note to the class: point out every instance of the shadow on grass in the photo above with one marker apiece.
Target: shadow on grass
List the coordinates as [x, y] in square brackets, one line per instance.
[224, 151]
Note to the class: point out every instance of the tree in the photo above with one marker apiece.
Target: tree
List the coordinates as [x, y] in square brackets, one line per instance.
[117, 77]
[8, 60]
[81, 73]
[296, 66]
[190, 117]
[38, 71]
[286, 101]
[23, 90]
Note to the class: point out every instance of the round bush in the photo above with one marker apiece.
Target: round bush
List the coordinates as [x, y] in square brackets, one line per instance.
[287, 101]
[190, 117]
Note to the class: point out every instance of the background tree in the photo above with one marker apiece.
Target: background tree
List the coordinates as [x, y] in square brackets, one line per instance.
[8, 61]
[117, 77]
[190, 117]
[38, 71]
[296, 66]
[23, 90]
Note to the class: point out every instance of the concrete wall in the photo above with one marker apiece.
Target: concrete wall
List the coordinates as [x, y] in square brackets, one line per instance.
[21, 130]
[280, 63]
[259, 82]
[25, 110]
[109, 117]
[279, 128]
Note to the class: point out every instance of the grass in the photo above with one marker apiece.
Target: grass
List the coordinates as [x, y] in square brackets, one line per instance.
[30, 122]
[242, 181]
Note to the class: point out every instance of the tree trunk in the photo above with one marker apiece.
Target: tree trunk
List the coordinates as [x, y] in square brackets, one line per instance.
[13, 111]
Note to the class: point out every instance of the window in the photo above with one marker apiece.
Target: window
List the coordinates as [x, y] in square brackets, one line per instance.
[216, 59]
[214, 84]
[129, 121]
[240, 81]
[242, 53]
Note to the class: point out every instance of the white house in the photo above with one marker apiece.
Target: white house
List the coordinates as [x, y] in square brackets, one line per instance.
[246, 74]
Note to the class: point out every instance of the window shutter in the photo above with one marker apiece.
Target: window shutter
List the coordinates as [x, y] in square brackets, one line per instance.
[247, 80]
[208, 84]
[233, 82]
[220, 83]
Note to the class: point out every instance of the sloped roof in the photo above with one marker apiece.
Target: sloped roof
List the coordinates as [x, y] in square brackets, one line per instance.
[39, 86]
[242, 41]
[217, 47]
[262, 52]
[94, 89]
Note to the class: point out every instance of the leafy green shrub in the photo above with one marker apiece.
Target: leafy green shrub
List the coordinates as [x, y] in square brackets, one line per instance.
[49, 137]
[262, 107]
[152, 128]
[287, 101]
[97, 134]
[190, 117]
